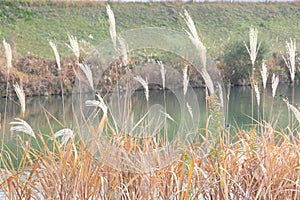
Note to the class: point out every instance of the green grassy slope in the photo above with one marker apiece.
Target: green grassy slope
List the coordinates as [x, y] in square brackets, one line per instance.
[28, 27]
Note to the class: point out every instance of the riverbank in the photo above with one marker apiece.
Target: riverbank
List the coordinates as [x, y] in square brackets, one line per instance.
[28, 26]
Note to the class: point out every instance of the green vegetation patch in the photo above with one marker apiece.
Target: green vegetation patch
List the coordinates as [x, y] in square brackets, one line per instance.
[29, 25]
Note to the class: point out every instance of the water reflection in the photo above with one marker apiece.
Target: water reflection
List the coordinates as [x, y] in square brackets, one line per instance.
[239, 108]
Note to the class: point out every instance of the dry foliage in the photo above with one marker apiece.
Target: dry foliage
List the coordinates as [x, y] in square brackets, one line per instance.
[255, 166]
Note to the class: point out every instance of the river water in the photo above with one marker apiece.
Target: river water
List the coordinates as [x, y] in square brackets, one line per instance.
[45, 112]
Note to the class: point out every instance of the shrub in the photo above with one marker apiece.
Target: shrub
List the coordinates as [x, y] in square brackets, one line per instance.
[236, 64]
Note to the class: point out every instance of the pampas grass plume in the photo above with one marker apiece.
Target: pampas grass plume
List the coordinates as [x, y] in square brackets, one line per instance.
[163, 74]
[8, 54]
[291, 57]
[74, 46]
[21, 96]
[257, 93]
[193, 35]
[253, 50]
[264, 74]
[21, 126]
[56, 54]
[88, 73]
[185, 79]
[112, 25]
[275, 82]
[144, 83]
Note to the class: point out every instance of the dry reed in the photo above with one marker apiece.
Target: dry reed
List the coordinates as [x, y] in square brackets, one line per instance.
[252, 166]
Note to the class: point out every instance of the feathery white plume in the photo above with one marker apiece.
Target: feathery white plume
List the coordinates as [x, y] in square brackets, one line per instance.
[220, 93]
[295, 111]
[66, 134]
[8, 54]
[291, 57]
[275, 82]
[185, 79]
[74, 46]
[112, 25]
[144, 83]
[257, 93]
[163, 74]
[193, 35]
[207, 80]
[88, 73]
[56, 54]
[264, 74]
[124, 51]
[167, 115]
[253, 33]
[21, 96]
[101, 104]
[21, 126]
[190, 110]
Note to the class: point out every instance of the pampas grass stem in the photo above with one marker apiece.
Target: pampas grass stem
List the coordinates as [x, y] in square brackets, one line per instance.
[8, 55]
[252, 51]
[264, 75]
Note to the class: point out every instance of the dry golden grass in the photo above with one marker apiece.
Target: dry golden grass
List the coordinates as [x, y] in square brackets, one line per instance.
[254, 166]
